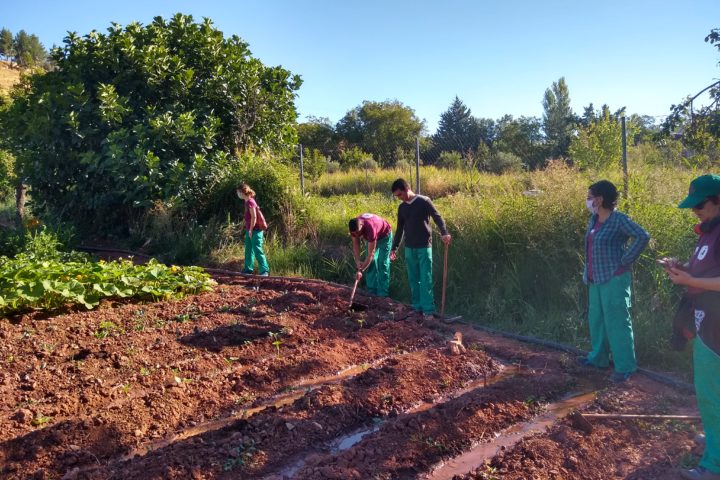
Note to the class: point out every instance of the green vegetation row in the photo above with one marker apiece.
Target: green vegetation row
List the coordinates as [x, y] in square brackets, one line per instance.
[43, 278]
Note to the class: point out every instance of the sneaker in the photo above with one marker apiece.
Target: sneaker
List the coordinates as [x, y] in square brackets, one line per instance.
[699, 473]
[584, 362]
[266, 274]
[428, 317]
[700, 439]
[618, 377]
[247, 272]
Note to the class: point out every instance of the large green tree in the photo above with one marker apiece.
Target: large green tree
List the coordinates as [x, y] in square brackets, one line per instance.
[7, 44]
[523, 138]
[144, 113]
[319, 134]
[599, 144]
[29, 52]
[558, 118]
[380, 128]
[459, 131]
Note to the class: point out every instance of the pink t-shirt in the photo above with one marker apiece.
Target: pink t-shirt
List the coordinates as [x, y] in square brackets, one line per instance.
[374, 227]
[250, 204]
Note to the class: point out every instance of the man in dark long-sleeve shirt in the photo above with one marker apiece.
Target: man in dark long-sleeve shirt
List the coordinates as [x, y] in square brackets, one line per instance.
[413, 224]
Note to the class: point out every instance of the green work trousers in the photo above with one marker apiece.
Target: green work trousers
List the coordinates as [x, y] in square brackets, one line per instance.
[377, 275]
[707, 391]
[418, 262]
[253, 250]
[610, 324]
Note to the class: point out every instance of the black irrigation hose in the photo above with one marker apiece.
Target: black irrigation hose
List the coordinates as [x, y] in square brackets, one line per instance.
[659, 377]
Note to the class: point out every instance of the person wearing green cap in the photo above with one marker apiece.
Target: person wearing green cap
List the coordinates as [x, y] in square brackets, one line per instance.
[609, 259]
[701, 276]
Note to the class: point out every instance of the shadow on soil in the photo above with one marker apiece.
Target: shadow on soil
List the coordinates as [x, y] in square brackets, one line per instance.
[91, 445]
[229, 335]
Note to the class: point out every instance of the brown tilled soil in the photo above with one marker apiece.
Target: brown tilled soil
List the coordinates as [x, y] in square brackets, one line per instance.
[275, 378]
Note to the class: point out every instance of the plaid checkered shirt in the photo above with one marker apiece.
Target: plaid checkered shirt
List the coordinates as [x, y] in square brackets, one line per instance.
[610, 249]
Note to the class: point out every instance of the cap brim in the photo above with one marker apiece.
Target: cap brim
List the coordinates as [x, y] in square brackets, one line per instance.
[690, 201]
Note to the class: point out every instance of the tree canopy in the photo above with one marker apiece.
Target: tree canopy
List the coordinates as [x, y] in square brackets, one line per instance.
[380, 128]
[144, 113]
[558, 118]
[699, 127]
[24, 49]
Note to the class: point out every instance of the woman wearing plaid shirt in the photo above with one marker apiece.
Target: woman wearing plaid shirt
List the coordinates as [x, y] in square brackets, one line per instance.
[607, 272]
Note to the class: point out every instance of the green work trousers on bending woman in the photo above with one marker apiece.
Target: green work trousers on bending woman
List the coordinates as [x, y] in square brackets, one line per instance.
[254, 249]
[707, 391]
[377, 275]
[419, 269]
[610, 324]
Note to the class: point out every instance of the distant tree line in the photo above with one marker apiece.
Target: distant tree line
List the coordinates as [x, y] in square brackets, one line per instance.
[386, 133]
[23, 49]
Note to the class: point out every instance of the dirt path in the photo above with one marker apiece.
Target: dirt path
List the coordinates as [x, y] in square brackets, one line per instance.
[274, 378]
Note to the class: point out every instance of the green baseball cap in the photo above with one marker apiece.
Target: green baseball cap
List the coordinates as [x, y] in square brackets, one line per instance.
[701, 188]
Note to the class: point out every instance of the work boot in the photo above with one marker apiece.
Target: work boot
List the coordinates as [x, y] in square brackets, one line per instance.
[699, 473]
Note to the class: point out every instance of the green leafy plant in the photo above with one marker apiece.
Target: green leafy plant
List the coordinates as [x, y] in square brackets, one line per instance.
[46, 282]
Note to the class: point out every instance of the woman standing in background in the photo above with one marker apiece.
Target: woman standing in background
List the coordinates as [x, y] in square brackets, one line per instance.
[254, 232]
[609, 259]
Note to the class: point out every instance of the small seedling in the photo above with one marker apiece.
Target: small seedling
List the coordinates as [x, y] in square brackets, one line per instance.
[361, 322]
[277, 341]
[125, 388]
[224, 309]
[105, 329]
[249, 307]
[144, 371]
[241, 456]
[191, 313]
[40, 420]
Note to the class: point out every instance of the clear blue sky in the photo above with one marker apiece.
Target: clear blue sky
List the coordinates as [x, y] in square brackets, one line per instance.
[497, 56]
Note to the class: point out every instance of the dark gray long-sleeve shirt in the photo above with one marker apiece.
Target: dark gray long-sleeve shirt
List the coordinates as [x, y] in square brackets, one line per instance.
[414, 222]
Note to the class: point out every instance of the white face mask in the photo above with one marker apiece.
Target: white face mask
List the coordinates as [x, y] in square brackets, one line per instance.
[239, 195]
[589, 204]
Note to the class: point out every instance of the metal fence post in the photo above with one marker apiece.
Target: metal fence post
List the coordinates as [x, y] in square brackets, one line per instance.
[302, 175]
[624, 158]
[417, 164]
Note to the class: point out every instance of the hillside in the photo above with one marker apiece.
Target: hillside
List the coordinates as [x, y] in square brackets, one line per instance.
[8, 76]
